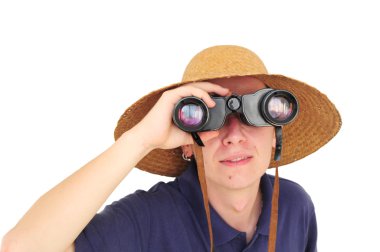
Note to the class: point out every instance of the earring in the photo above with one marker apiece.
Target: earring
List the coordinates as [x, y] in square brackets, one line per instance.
[186, 158]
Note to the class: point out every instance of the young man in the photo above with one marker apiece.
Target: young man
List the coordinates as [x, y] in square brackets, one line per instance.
[221, 200]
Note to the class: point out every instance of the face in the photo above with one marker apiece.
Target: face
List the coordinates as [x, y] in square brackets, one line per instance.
[240, 155]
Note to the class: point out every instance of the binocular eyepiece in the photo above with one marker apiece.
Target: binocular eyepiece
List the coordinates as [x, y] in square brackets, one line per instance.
[266, 107]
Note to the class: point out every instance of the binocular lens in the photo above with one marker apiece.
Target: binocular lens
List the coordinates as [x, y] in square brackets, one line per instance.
[279, 108]
[190, 115]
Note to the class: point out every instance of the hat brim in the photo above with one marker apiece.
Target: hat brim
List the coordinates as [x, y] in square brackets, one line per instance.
[318, 121]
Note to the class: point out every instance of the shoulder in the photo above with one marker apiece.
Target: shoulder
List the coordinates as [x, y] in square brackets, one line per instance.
[293, 194]
[159, 193]
[297, 219]
[137, 216]
[161, 197]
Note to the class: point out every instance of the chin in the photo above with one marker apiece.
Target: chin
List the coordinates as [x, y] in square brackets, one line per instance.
[236, 182]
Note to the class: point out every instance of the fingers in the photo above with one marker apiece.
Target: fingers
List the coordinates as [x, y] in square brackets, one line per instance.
[210, 87]
[202, 94]
[201, 90]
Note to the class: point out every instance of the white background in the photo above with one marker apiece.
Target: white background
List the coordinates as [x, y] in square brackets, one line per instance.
[69, 69]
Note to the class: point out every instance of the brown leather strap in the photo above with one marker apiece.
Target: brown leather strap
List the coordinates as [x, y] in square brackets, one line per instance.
[274, 214]
[202, 180]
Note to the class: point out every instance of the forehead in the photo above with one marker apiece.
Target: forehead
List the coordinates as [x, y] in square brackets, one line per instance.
[240, 85]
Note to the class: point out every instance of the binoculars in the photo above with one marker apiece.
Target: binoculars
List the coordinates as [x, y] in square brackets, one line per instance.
[266, 107]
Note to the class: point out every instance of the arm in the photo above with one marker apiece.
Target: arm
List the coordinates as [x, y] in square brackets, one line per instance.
[58, 217]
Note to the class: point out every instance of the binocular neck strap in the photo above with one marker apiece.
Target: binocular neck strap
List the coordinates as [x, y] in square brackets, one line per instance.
[197, 139]
[275, 193]
[274, 214]
[278, 149]
[202, 180]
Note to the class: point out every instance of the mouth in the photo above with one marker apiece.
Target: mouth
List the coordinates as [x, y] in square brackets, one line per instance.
[236, 160]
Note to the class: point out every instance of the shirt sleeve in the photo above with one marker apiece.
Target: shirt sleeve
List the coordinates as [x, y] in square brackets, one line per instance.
[121, 226]
[311, 243]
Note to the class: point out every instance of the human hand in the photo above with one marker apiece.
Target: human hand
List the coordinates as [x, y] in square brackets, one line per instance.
[156, 129]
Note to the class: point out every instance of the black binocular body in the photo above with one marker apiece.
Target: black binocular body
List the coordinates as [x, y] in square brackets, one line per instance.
[265, 107]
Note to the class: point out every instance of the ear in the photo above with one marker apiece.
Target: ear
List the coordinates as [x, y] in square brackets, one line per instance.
[187, 150]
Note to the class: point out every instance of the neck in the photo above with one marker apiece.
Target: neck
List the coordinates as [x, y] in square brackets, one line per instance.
[238, 208]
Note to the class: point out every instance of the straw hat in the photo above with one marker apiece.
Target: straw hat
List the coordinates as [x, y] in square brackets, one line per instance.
[317, 123]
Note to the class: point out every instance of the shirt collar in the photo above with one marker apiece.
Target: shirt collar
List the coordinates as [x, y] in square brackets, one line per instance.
[189, 186]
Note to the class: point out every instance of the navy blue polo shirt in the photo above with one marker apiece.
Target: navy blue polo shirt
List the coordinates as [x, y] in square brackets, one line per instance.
[171, 217]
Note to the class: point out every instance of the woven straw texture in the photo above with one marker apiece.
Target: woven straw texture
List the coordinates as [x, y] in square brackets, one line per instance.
[317, 123]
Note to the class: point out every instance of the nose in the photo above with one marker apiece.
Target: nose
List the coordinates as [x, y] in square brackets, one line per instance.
[233, 128]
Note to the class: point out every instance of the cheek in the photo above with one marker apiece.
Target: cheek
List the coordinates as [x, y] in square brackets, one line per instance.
[209, 151]
[264, 141]
[263, 136]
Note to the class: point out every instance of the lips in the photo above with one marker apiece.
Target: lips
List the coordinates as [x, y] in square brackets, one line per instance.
[236, 160]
